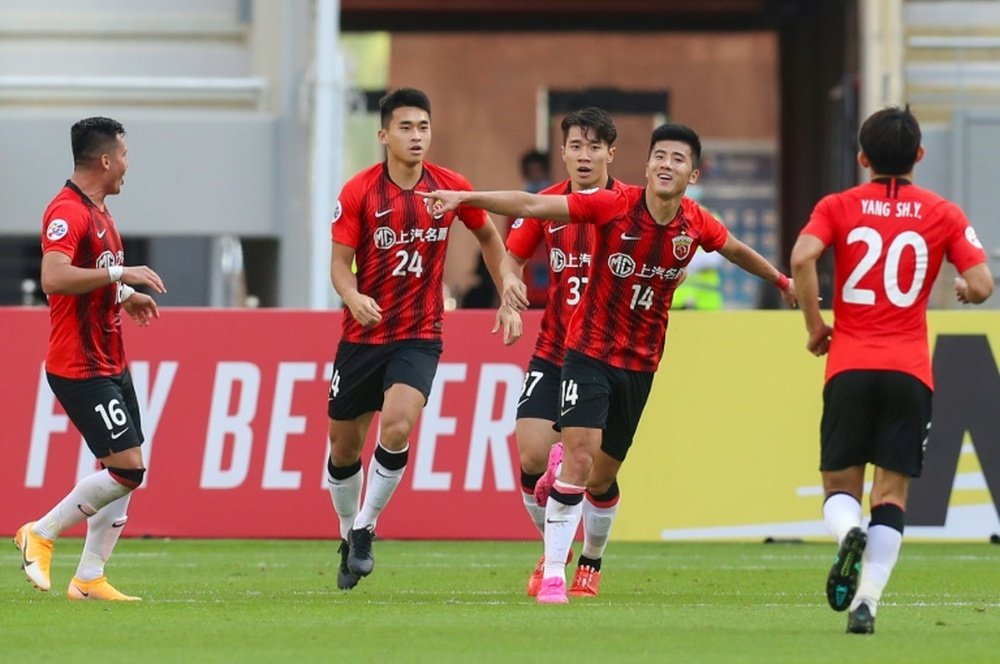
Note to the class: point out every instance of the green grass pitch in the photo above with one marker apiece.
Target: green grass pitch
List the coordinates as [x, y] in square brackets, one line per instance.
[270, 601]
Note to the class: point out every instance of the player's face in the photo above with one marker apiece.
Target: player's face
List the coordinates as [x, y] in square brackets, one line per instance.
[670, 169]
[116, 164]
[586, 158]
[408, 136]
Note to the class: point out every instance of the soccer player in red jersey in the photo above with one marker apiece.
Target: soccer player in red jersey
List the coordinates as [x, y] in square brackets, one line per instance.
[88, 286]
[643, 239]
[889, 238]
[588, 148]
[391, 341]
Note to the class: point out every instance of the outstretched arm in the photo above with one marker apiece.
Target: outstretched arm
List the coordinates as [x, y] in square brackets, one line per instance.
[805, 253]
[747, 259]
[509, 203]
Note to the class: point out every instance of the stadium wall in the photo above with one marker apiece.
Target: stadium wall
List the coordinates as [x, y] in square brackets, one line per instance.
[234, 414]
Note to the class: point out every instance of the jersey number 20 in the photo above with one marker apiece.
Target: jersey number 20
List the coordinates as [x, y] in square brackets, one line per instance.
[890, 277]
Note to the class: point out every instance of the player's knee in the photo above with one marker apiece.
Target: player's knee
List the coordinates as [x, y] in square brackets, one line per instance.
[533, 460]
[395, 433]
[127, 477]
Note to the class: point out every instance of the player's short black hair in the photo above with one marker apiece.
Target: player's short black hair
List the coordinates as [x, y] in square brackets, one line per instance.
[400, 98]
[591, 119]
[92, 137]
[534, 157]
[672, 131]
[890, 138]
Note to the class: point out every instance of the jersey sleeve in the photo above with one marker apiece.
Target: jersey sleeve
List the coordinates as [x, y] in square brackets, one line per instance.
[713, 232]
[473, 218]
[964, 249]
[596, 206]
[820, 221]
[63, 226]
[524, 237]
[346, 224]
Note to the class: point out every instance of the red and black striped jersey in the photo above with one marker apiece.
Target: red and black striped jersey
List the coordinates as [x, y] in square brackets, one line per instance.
[636, 265]
[86, 336]
[568, 249]
[399, 250]
[889, 238]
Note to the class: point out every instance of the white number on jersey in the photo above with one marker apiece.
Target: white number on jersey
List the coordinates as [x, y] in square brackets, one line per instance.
[642, 296]
[576, 285]
[408, 263]
[890, 278]
[113, 415]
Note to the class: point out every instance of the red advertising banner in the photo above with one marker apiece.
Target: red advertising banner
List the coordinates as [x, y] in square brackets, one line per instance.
[234, 413]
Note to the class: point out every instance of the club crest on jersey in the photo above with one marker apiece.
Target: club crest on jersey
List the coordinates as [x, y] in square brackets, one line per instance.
[621, 265]
[337, 211]
[517, 223]
[682, 246]
[57, 229]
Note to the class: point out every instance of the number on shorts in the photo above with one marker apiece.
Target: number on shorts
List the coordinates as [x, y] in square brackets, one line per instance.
[113, 414]
[335, 384]
[530, 381]
[569, 393]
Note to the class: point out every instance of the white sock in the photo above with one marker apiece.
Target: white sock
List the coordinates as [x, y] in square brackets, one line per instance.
[877, 562]
[597, 522]
[382, 482]
[841, 512]
[535, 511]
[103, 531]
[561, 522]
[346, 497]
[91, 494]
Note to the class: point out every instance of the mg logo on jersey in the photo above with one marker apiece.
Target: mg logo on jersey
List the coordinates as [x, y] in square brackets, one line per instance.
[682, 246]
[621, 265]
[106, 259]
[384, 237]
[557, 260]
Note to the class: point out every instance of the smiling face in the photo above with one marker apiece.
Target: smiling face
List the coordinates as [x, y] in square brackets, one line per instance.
[115, 163]
[586, 158]
[408, 135]
[670, 169]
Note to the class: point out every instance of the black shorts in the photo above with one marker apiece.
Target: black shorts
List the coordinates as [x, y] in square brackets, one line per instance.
[598, 396]
[877, 417]
[104, 410]
[363, 372]
[540, 392]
